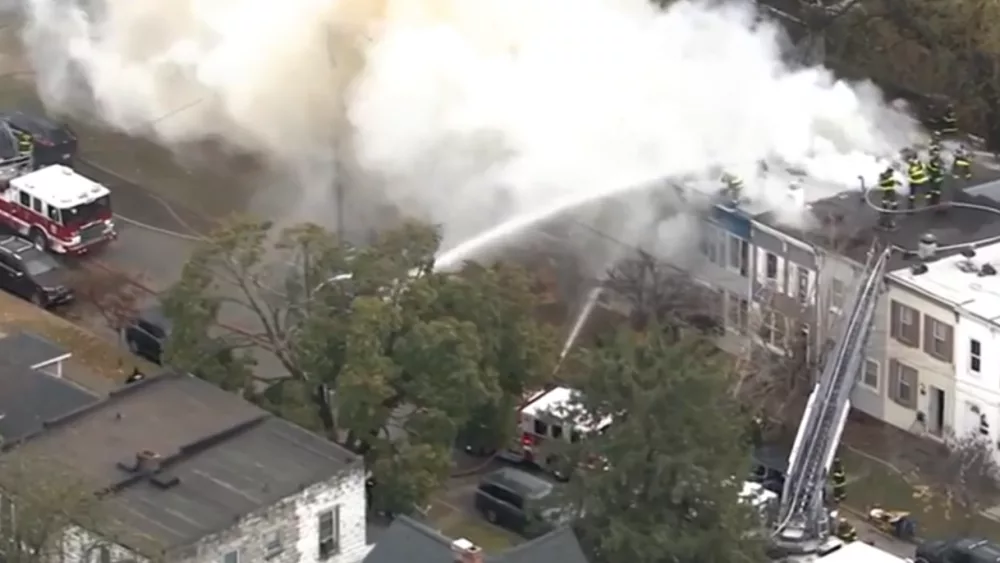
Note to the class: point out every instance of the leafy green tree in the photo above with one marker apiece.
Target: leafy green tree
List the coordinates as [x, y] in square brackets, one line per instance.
[377, 349]
[662, 482]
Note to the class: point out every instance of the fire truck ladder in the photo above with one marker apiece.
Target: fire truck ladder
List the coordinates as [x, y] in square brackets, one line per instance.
[803, 523]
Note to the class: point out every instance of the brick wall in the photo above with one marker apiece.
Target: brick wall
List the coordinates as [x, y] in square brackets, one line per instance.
[293, 523]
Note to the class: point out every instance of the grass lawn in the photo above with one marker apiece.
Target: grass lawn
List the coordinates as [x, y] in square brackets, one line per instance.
[457, 524]
[871, 482]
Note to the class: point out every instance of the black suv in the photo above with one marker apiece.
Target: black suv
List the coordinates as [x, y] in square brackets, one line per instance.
[29, 272]
[518, 501]
[146, 334]
[52, 142]
[965, 550]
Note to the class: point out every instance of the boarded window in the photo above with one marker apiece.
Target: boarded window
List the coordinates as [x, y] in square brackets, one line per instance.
[938, 338]
[905, 324]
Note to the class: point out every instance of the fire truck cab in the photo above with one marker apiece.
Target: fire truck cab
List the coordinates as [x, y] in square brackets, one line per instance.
[544, 423]
[59, 209]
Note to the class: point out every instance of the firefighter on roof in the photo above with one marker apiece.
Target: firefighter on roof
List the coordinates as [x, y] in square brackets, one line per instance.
[916, 175]
[935, 145]
[839, 479]
[887, 184]
[935, 176]
[733, 186]
[949, 122]
[961, 167]
[24, 144]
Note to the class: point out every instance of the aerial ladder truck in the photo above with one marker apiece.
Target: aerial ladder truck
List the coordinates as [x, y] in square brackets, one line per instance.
[802, 528]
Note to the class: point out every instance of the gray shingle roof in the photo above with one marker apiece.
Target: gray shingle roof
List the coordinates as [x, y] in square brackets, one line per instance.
[228, 456]
[410, 541]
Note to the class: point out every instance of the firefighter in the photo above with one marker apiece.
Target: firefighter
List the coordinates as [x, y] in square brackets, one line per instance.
[935, 145]
[24, 143]
[757, 431]
[839, 479]
[733, 186]
[949, 122]
[961, 167]
[888, 185]
[846, 531]
[917, 177]
[935, 179]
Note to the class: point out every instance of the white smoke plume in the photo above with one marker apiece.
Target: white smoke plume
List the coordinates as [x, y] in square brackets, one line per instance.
[467, 112]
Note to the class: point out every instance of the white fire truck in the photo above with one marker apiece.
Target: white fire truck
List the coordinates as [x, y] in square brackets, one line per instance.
[58, 209]
[544, 422]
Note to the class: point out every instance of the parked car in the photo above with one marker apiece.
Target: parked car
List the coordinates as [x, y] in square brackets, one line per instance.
[964, 550]
[146, 334]
[52, 142]
[519, 501]
[30, 273]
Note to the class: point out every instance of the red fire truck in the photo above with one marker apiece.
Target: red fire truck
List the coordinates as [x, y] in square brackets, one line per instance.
[58, 209]
[543, 421]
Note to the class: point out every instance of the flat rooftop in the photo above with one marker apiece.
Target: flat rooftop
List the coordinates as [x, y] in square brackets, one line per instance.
[846, 224]
[958, 281]
[220, 458]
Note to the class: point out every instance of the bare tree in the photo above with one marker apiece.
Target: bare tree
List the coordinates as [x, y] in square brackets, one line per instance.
[962, 483]
[114, 296]
[659, 292]
[48, 512]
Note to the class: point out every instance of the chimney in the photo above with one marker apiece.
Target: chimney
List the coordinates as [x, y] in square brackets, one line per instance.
[147, 461]
[466, 551]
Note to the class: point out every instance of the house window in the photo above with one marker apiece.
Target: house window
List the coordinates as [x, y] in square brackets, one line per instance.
[903, 384]
[104, 554]
[837, 290]
[803, 285]
[869, 375]
[800, 347]
[770, 266]
[541, 428]
[231, 557]
[739, 255]
[984, 425]
[975, 355]
[905, 324]
[937, 338]
[772, 329]
[273, 547]
[329, 533]
[738, 311]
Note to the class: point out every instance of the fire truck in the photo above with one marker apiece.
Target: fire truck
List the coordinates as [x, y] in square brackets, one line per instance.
[59, 209]
[544, 423]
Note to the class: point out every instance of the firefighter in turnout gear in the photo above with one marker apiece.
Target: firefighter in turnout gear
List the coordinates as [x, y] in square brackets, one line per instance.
[961, 167]
[917, 178]
[935, 176]
[846, 531]
[888, 185]
[839, 479]
[935, 146]
[733, 186]
[24, 143]
[949, 122]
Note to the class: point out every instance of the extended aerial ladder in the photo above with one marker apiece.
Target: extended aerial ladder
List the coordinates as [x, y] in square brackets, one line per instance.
[803, 523]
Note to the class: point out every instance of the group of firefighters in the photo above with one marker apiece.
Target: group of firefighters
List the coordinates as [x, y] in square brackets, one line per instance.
[924, 179]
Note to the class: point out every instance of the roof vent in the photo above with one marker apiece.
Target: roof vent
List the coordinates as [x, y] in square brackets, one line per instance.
[147, 461]
[927, 247]
[918, 269]
[466, 551]
[987, 270]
